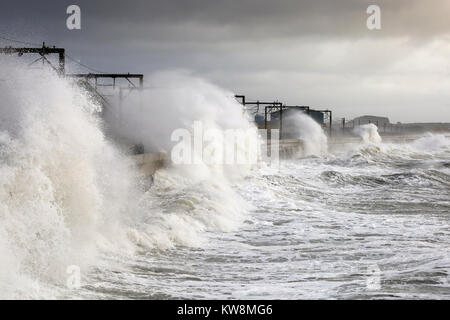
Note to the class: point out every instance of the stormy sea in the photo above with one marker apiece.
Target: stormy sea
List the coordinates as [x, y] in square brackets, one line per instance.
[363, 218]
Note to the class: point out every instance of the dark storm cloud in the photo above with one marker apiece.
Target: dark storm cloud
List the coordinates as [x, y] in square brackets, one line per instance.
[292, 50]
[227, 20]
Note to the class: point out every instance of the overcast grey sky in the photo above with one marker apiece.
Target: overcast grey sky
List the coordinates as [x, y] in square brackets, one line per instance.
[317, 52]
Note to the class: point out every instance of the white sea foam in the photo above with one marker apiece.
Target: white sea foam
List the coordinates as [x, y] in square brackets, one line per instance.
[198, 196]
[315, 142]
[67, 192]
[430, 142]
[63, 187]
[369, 133]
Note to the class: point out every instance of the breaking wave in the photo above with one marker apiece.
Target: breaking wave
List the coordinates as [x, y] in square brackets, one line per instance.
[68, 193]
[69, 196]
[315, 142]
[369, 133]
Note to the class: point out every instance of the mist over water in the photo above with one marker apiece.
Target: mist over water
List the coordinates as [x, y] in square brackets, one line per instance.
[301, 126]
[65, 189]
[176, 100]
[69, 195]
[319, 227]
[368, 133]
[316, 227]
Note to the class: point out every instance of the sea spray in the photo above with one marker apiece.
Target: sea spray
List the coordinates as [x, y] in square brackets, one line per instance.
[176, 101]
[64, 187]
[430, 142]
[197, 195]
[428, 146]
[301, 126]
[67, 192]
[369, 133]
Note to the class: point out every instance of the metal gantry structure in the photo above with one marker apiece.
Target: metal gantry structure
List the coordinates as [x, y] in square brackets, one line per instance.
[271, 107]
[83, 78]
[113, 76]
[42, 52]
[257, 103]
[61, 68]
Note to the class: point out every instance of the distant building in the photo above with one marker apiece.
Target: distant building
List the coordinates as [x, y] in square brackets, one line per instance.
[378, 121]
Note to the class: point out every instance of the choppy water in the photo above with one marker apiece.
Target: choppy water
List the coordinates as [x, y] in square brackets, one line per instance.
[371, 221]
[367, 220]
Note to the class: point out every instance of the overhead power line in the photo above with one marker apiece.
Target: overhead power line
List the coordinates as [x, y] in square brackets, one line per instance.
[2, 36]
[18, 41]
[84, 65]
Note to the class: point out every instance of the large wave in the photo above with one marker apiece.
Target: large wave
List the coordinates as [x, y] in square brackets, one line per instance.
[66, 192]
[315, 142]
[369, 133]
[64, 188]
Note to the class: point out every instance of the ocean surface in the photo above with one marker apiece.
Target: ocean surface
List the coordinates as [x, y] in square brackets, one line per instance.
[371, 221]
[366, 219]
